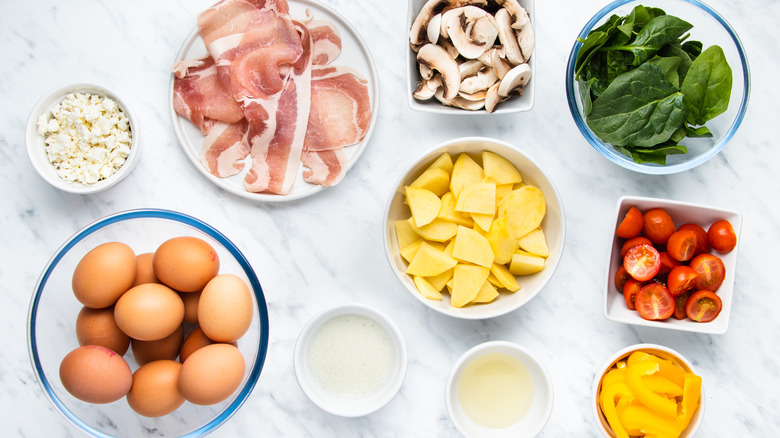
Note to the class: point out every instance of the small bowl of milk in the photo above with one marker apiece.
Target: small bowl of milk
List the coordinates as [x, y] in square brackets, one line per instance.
[499, 389]
[350, 360]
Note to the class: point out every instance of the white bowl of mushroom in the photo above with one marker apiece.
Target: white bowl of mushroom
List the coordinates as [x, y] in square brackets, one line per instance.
[471, 56]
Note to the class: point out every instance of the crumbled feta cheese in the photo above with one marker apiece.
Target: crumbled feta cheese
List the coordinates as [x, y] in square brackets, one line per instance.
[87, 137]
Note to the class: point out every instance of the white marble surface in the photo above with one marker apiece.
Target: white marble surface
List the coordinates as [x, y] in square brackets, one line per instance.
[327, 249]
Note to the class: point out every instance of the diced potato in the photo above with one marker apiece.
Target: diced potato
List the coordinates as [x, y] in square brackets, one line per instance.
[467, 280]
[535, 243]
[449, 284]
[478, 197]
[501, 191]
[472, 247]
[426, 289]
[500, 169]
[430, 261]
[501, 242]
[438, 230]
[505, 277]
[424, 204]
[483, 221]
[493, 280]
[486, 294]
[436, 180]
[448, 212]
[524, 210]
[450, 246]
[464, 171]
[404, 233]
[410, 250]
[526, 264]
[439, 281]
[443, 162]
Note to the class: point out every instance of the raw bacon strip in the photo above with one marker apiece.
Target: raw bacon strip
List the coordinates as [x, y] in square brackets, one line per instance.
[326, 41]
[198, 96]
[225, 147]
[324, 168]
[340, 112]
[275, 164]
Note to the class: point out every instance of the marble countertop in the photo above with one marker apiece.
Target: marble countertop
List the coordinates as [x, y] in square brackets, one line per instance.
[327, 249]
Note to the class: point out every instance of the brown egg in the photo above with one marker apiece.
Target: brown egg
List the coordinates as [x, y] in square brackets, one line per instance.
[95, 374]
[97, 327]
[104, 274]
[211, 374]
[144, 271]
[225, 308]
[195, 341]
[165, 348]
[185, 263]
[155, 390]
[149, 312]
[190, 305]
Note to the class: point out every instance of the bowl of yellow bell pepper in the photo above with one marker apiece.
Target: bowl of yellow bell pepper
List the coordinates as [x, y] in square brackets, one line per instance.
[648, 390]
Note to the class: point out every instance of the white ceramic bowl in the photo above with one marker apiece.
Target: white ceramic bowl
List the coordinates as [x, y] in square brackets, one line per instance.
[342, 405]
[515, 104]
[615, 308]
[657, 350]
[553, 225]
[536, 417]
[36, 148]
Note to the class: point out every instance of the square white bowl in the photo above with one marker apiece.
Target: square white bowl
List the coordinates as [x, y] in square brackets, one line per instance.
[514, 104]
[615, 308]
[553, 225]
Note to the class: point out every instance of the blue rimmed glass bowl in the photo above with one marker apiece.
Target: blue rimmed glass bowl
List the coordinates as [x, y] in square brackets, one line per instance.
[710, 28]
[52, 319]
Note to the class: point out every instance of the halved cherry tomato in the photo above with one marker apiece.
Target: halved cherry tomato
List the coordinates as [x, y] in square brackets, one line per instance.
[703, 306]
[710, 269]
[681, 280]
[633, 242]
[667, 264]
[702, 245]
[631, 225]
[721, 236]
[658, 225]
[629, 292]
[681, 245]
[654, 302]
[620, 277]
[679, 305]
[642, 262]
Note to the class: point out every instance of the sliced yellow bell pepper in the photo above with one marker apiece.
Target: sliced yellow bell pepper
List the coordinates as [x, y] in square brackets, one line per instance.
[655, 402]
[690, 398]
[662, 385]
[608, 406]
[613, 376]
[667, 368]
[650, 422]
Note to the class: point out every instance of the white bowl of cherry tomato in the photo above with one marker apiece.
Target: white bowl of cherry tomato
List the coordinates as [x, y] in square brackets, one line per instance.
[672, 265]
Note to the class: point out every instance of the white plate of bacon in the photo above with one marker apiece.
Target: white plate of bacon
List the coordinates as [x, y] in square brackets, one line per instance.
[273, 100]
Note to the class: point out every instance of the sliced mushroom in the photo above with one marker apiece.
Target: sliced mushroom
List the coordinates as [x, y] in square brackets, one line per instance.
[479, 82]
[469, 68]
[526, 40]
[518, 15]
[419, 31]
[425, 72]
[459, 102]
[492, 98]
[451, 50]
[471, 30]
[514, 80]
[487, 57]
[507, 37]
[500, 65]
[434, 29]
[474, 97]
[427, 88]
[436, 58]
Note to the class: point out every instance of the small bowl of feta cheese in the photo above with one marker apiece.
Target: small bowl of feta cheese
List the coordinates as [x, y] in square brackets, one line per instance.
[82, 138]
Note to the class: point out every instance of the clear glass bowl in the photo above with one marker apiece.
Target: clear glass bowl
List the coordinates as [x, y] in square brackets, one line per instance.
[710, 28]
[52, 319]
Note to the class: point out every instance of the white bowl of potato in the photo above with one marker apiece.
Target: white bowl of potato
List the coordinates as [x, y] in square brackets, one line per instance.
[474, 228]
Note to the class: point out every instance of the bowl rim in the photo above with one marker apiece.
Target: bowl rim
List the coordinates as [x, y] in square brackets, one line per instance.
[607, 150]
[414, 163]
[33, 140]
[145, 214]
[500, 346]
[624, 352]
[397, 378]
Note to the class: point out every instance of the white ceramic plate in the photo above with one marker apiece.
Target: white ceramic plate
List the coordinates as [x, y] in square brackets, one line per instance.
[354, 54]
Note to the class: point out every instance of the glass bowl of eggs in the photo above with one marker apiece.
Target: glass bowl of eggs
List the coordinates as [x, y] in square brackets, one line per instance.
[133, 316]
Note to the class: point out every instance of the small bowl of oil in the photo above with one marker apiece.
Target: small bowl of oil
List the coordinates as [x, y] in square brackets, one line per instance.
[499, 389]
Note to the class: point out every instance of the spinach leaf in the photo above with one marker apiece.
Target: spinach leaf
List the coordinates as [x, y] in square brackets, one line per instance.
[701, 131]
[617, 64]
[584, 89]
[675, 50]
[661, 30]
[654, 155]
[692, 48]
[679, 134]
[639, 108]
[670, 66]
[595, 41]
[707, 87]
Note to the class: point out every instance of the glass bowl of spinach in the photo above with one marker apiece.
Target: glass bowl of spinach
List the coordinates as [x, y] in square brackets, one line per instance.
[658, 87]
